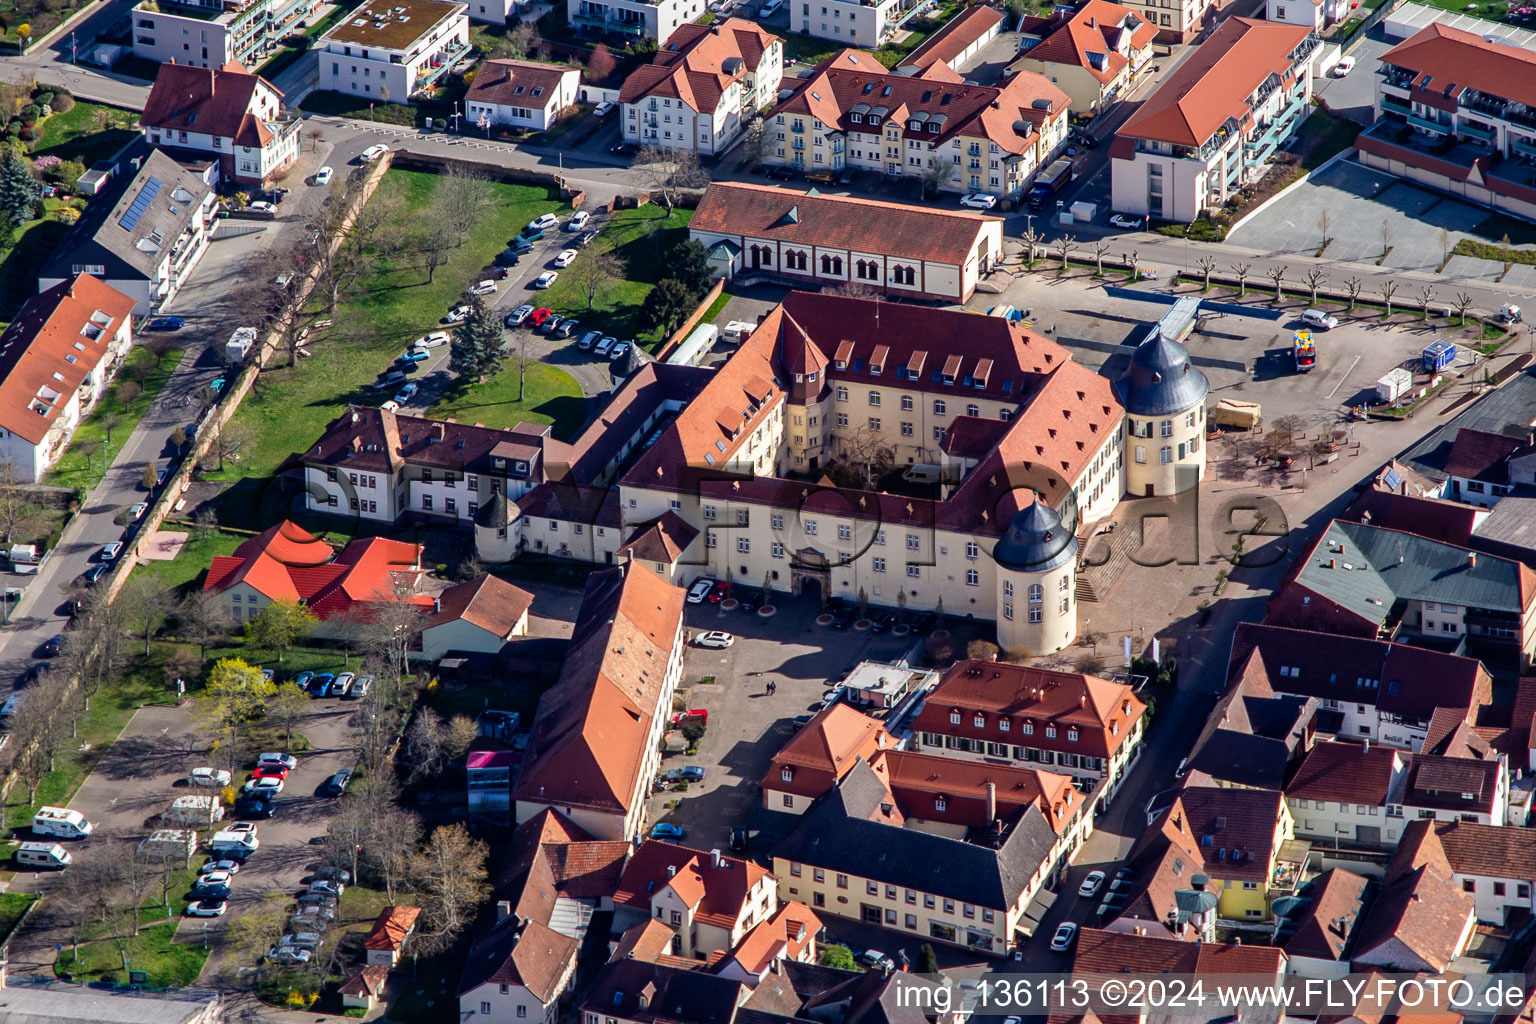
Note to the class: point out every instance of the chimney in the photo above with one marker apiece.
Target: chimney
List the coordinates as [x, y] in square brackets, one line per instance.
[437, 605]
[357, 444]
[1367, 746]
[1333, 563]
[991, 801]
[354, 415]
[213, 80]
[1471, 559]
[1093, 22]
[503, 910]
[671, 870]
[715, 860]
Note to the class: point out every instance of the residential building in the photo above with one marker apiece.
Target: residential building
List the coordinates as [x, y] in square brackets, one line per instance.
[1095, 55]
[1254, 736]
[1178, 21]
[846, 21]
[702, 87]
[1496, 866]
[1455, 113]
[288, 563]
[597, 736]
[481, 615]
[819, 754]
[1421, 920]
[708, 901]
[488, 782]
[363, 987]
[389, 54]
[885, 684]
[1481, 466]
[1364, 581]
[789, 936]
[1365, 688]
[1101, 953]
[857, 855]
[1314, 14]
[636, 992]
[853, 112]
[1351, 794]
[1212, 124]
[1164, 399]
[958, 40]
[227, 113]
[628, 20]
[213, 33]
[383, 943]
[144, 236]
[520, 94]
[1458, 788]
[812, 992]
[1317, 930]
[37, 1000]
[1068, 722]
[57, 358]
[382, 466]
[898, 249]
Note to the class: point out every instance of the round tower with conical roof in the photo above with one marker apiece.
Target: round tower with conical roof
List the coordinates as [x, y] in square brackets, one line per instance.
[1036, 581]
[1164, 399]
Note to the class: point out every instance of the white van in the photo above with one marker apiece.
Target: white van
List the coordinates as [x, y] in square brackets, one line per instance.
[195, 810]
[770, 8]
[233, 842]
[61, 823]
[42, 855]
[25, 559]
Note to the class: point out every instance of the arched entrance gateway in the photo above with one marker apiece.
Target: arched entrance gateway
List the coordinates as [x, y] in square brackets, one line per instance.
[810, 567]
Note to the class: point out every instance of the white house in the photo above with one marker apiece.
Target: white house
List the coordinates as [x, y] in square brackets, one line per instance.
[1497, 866]
[1350, 793]
[211, 33]
[225, 112]
[390, 52]
[865, 25]
[480, 615]
[632, 19]
[1314, 14]
[702, 87]
[520, 94]
[56, 359]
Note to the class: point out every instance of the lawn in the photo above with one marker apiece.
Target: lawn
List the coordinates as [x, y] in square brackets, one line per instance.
[24, 250]
[87, 133]
[12, 906]
[41, 18]
[93, 447]
[153, 951]
[641, 237]
[551, 396]
[1327, 136]
[192, 561]
[338, 104]
[392, 304]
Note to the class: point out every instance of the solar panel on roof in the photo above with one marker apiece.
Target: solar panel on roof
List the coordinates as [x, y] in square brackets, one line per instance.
[141, 203]
[1392, 480]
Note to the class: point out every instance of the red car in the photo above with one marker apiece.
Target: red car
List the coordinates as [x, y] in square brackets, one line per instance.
[718, 592]
[702, 714]
[540, 315]
[270, 771]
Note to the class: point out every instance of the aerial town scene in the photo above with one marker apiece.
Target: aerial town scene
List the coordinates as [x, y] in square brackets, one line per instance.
[764, 511]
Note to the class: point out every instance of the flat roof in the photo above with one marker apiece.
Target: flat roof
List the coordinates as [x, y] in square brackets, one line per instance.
[392, 24]
[1409, 18]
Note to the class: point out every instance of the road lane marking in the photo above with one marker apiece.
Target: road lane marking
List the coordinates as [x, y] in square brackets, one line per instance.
[1344, 376]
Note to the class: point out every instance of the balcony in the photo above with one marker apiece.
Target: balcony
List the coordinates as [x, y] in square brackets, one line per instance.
[1393, 105]
[1472, 131]
[1428, 125]
[1521, 144]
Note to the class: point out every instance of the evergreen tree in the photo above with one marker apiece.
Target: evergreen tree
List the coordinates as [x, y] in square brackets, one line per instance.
[927, 960]
[668, 305]
[477, 342]
[18, 189]
[689, 263]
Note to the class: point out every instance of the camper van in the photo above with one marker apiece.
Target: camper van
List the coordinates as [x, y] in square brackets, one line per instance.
[169, 844]
[42, 855]
[239, 344]
[25, 559]
[195, 810]
[61, 823]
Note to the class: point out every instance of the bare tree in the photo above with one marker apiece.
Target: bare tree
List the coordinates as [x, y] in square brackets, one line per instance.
[1315, 280]
[269, 300]
[1445, 247]
[127, 392]
[855, 290]
[37, 731]
[756, 142]
[936, 172]
[1463, 303]
[1386, 237]
[1388, 289]
[1277, 275]
[391, 842]
[16, 505]
[1206, 264]
[1099, 249]
[433, 244]
[595, 272]
[1324, 222]
[144, 606]
[1241, 272]
[1352, 286]
[203, 620]
[449, 875]
[463, 197]
[287, 708]
[227, 439]
[396, 624]
[1064, 247]
[344, 252]
[1426, 296]
[667, 172]
[866, 452]
[424, 744]
[1033, 241]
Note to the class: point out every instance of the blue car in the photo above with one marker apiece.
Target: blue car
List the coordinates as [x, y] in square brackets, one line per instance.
[322, 683]
[167, 323]
[667, 830]
[415, 355]
[217, 384]
[302, 680]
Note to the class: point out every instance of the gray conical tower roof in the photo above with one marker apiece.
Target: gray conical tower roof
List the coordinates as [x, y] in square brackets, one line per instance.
[1035, 540]
[1161, 379]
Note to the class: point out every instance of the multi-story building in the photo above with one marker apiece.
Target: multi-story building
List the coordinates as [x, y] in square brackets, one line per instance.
[144, 233]
[1095, 55]
[214, 33]
[389, 52]
[702, 87]
[1457, 112]
[224, 112]
[1164, 399]
[1212, 124]
[929, 124]
[820, 754]
[1420, 920]
[56, 359]
[1314, 14]
[1067, 722]
[849, 21]
[1497, 866]
[520, 94]
[896, 248]
[708, 901]
[1349, 793]
[628, 20]
[597, 736]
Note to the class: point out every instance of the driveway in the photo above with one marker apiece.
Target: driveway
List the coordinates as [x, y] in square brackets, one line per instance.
[1355, 95]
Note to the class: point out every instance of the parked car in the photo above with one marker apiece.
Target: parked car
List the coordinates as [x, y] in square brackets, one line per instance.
[262, 786]
[667, 830]
[289, 955]
[336, 785]
[457, 315]
[53, 646]
[552, 325]
[846, 175]
[1320, 320]
[1091, 884]
[586, 239]
[739, 839]
[359, 689]
[436, 339]
[137, 510]
[1343, 67]
[715, 640]
[820, 176]
[978, 201]
[317, 899]
[578, 221]
[567, 328]
[538, 316]
[700, 590]
[254, 806]
[718, 592]
[208, 908]
[565, 259]
[518, 315]
[327, 888]
[485, 287]
[546, 279]
[1126, 221]
[95, 573]
[231, 867]
[624, 149]
[605, 347]
[692, 773]
[372, 153]
[167, 323]
[876, 960]
[277, 757]
[214, 880]
[411, 356]
[604, 108]
[1066, 932]
[589, 339]
[262, 206]
[782, 173]
[324, 175]
[620, 348]
[329, 873]
[270, 771]
[407, 393]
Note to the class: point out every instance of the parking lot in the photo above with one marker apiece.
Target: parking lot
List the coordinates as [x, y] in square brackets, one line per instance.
[1354, 95]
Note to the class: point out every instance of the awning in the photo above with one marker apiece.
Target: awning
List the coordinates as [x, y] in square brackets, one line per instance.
[1036, 911]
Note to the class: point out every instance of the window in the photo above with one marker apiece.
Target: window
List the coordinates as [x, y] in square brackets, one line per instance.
[842, 881]
[1141, 455]
[973, 550]
[777, 551]
[810, 526]
[1034, 615]
[939, 804]
[913, 541]
[522, 1010]
[906, 403]
[914, 570]
[1166, 454]
[973, 410]
[874, 422]
[743, 545]
[776, 521]
[1066, 603]
[874, 398]
[938, 407]
[1036, 593]
[485, 1008]
[872, 888]
[879, 564]
[972, 578]
[842, 393]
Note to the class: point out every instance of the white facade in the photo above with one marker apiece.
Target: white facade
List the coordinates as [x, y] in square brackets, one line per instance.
[212, 35]
[850, 22]
[525, 110]
[669, 122]
[1295, 12]
[243, 163]
[387, 67]
[1328, 821]
[1165, 454]
[632, 18]
[494, 1003]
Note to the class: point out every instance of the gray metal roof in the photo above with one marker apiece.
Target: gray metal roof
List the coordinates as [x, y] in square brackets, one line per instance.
[1512, 521]
[1372, 568]
[1507, 410]
[1161, 379]
[1035, 540]
[22, 1002]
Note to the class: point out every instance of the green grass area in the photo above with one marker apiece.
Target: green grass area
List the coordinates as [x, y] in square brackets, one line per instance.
[40, 16]
[191, 563]
[153, 951]
[12, 906]
[87, 133]
[1327, 136]
[1497, 253]
[90, 451]
[641, 237]
[23, 251]
[551, 396]
[338, 104]
[392, 304]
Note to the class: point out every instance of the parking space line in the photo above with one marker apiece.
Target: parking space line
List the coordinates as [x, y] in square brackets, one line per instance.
[1344, 376]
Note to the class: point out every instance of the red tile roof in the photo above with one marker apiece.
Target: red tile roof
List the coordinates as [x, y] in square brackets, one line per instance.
[1092, 38]
[1346, 773]
[698, 64]
[663, 540]
[1420, 914]
[918, 781]
[489, 602]
[1235, 829]
[1459, 60]
[56, 341]
[393, 926]
[1214, 83]
[787, 935]
[522, 83]
[824, 749]
[1480, 455]
[900, 230]
[228, 102]
[1498, 851]
[718, 894]
[955, 37]
[1326, 924]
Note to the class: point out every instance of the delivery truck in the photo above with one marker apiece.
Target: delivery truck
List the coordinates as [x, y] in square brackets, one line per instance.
[1049, 182]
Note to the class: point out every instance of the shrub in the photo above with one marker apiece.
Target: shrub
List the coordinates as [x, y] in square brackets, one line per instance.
[28, 133]
[63, 103]
[45, 98]
[981, 650]
[66, 215]
[69, 172]
[692, 730]
[30, 113]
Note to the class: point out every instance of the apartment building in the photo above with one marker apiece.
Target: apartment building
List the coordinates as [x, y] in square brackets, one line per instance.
[628, 20]
[853, 112]
[707, 901]
[1178, 21]
[214, 33]
[387, 53]
[1496, 866]
[1068, 722]
[702, 87]
[225, 112]
[57, 358]
[145, 233]
[520, 94]
[1351, 794]
[896, 248]
[1314, 14]
[1457, 112]
[596, 739]
[818, 755]
[1095, 55]
[1212, 124]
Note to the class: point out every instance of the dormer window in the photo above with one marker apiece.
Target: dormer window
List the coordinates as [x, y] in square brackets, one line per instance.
[1072, 735]
[874, 119]
[939, 803]
[954, 718]
[788, 775]
[1002, 725]
[915, 125]
[856, 118]
[980, 720]
[933, 128]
